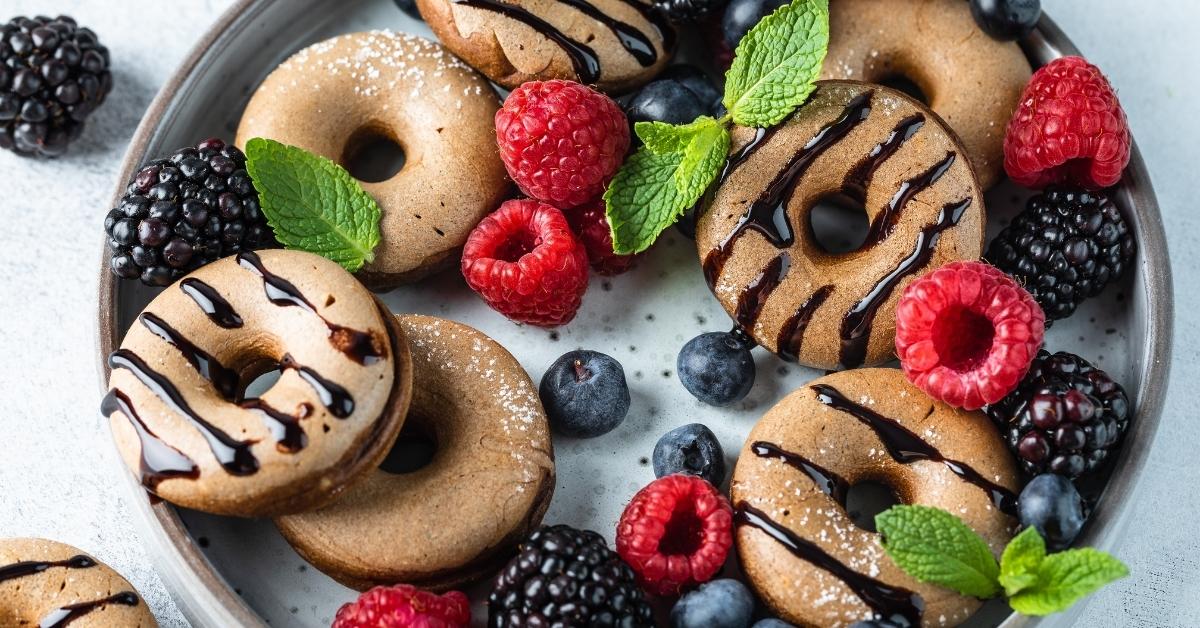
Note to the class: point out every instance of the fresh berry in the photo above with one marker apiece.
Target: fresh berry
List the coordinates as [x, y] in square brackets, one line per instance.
[1051, 504]
[1065, 417]
[590, 223]
[405, 606]
[182, 212]
[743, 15]
[53, 75]
[698, 82]
[561, 142]
[567, 577]
[724, 603]
[692, 449]
[966, 333]
[717, 368]
[685, 11]
[525, 262]
[1066, 246]
[771, 622]
[675, 533]
[585, 394]
[665, 101]
[1006, 20]
[1068, 128]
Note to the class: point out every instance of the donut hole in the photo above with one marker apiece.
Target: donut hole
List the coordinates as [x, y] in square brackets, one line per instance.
[905, 85]
[838, 223]
[866, 499]
[962, 338]
[414, 449]
[372, 155]
[261, 382]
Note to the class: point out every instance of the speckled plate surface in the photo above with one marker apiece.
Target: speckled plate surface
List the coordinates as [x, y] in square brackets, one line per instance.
[231, 572]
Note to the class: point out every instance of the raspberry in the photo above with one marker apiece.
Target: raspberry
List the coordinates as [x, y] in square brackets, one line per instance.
[405, 606]
[561, 142]
[675, 533]
[591, 225]
[1069, 127]
[525, 262]
[966, 333]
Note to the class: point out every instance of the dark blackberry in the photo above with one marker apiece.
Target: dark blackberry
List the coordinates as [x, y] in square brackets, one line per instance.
[53, 75]
[567, 577]
[1065, 247]
[1065, 416]
[683, 11]
[182, 212]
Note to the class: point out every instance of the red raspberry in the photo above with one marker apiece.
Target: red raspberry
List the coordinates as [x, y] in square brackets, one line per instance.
[405, 606]
[1068, 127]
[675, 533]
[591, 225]
[525, 262]
[966, 333]
[561, 142]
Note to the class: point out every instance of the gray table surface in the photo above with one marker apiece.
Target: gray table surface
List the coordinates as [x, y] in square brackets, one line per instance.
[54, 478]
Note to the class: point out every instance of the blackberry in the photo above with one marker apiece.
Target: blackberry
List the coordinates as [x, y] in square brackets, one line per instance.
[1064, 417]
[182, 212]
[53, 75]
[683, 11]
[1065, 247]
[567, 577]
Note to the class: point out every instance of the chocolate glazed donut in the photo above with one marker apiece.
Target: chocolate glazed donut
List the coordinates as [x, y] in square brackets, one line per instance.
[799, 547]
[874, 146]
[177, 402]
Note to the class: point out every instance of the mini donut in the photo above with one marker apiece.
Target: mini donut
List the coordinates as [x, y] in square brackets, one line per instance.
[51, 584]
[614, 45]
[973, 81]
[340, 94]
[798, 546]
[882, 150]
[486, 488]
[176, 397]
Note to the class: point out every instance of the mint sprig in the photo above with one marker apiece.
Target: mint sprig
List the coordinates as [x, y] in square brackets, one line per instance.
[935, 546]
[312, 204]
[773, 72]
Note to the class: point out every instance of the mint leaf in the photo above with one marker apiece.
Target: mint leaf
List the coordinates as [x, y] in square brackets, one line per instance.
[934, 546]
[661, 138]
[1064, 578]
[313, 204]
[703, 158]
[777, 63]
[1020, 561]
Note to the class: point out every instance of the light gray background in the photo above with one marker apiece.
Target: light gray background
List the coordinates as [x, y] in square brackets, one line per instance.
[54, 478]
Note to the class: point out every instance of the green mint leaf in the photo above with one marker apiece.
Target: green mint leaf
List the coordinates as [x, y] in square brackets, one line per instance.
[934, 546]
[661, 138]
[313, 204]
[1064, 578]
[1020, 561]
[777, 63]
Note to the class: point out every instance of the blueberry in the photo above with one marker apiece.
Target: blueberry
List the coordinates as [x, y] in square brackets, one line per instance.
[585, 394]
[691, 449]
[665, 101]
[1007, 20]
[1051, 504]
[724, 603]
[716, 368]
[697, 81]
[771, 623]
[743, 15]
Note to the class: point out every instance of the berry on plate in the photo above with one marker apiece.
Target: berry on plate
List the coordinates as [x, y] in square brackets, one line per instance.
[1068, 128]
[1006, 20]
[405, 606]
[675, 533]
[585, 394]
[561, 142]
[589, 222]
[743, 15]
[966, 333]
[724, 603]
[1066, 246]
[692, 449]
[666, 101]
[526, 263]
[717, 368]
[1064, 418]
[1051, 504]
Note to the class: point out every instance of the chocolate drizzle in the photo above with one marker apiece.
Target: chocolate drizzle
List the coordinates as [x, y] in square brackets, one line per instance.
[906, 447]
[65, 615]
[335, 398]
[894, 604]
[223, 379]
[859, 178]
[754, 297]
[830, 483]
[791, 334]
[658, 20]
[632, 40]
[362, 347]
[583, 58]
[234, 455]
[856, 325]
[289, 434]
[219, 311]
[159, 460]
[886, 220]
[30, 567]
